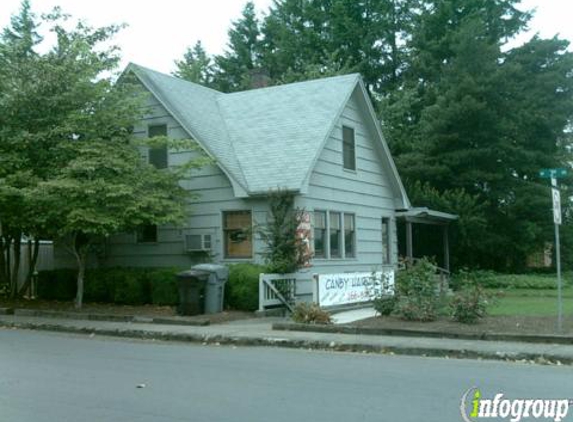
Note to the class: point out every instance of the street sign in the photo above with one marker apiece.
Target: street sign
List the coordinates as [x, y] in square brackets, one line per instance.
[556, 206]
[553, 173]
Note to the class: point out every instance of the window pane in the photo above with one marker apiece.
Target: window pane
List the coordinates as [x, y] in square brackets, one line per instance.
[147, 234]
[158, 155]
[385, 241]
[348, 148]
[157, 130]
[335, 251]
[320, 234]
[320, 219]
[237, 230]
[349, 236]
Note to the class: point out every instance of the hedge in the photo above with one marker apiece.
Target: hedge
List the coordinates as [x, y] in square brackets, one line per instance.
[492, 280]
[139, 286]
[126, 286]
[242, 289]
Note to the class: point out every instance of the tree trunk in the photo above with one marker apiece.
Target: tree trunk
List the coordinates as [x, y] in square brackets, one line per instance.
[16, 266]
[81, 253]
[3, 278]
[33, 252]
[8, 249]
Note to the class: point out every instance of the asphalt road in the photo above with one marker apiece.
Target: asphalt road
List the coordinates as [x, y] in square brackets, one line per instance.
[57, 378]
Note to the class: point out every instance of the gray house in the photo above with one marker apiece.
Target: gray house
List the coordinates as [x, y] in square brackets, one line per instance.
[319, 139]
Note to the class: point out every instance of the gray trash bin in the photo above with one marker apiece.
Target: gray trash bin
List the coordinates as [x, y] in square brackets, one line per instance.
[215, 288]
[191, 285]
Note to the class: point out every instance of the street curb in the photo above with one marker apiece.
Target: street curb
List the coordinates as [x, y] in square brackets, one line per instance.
[218, 340]
[105, 317]
[405, 332]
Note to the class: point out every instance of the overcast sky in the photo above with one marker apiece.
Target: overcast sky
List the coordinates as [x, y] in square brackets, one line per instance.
[160, 31]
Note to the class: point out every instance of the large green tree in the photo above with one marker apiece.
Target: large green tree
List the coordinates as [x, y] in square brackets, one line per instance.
[107, 189]
[484, 119]
[196, 66]
[72, 169]
[236, 68]
[18, 76]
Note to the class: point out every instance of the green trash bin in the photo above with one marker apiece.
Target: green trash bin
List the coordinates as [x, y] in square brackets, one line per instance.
[191, 285]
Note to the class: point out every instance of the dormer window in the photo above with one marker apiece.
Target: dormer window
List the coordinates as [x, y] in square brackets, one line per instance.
[348, 148]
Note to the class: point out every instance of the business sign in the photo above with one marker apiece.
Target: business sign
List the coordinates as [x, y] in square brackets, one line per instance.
[556, 206]
[348, 288]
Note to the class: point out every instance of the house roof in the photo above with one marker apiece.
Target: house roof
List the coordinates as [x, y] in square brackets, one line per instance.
[263, 139]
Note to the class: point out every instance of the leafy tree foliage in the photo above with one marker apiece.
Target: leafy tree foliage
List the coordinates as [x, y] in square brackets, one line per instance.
[70, 168]
[18, 76]
[107, 189]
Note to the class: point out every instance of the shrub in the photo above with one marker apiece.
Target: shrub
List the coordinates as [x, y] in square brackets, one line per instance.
[130, 286]
[58, 284]
[97, 287]
[385, 305]
[242, 288]
[285, 253]
[416, 289]
[468, 305]
[492, 280]
[164, 286]
[310, 313]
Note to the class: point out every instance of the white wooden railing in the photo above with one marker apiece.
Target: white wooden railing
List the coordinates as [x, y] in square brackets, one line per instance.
[284, 289]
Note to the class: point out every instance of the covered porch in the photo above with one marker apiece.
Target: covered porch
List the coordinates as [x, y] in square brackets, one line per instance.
[430, 229]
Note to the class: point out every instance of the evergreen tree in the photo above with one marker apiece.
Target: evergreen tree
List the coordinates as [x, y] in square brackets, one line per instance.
[237, 66]
[196, 66]
[484, 120]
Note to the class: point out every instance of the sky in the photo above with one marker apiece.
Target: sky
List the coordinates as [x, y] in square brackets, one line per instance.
[159, 32]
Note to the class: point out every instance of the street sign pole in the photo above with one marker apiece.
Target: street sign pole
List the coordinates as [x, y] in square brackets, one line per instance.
[557, 221]
[555, 174]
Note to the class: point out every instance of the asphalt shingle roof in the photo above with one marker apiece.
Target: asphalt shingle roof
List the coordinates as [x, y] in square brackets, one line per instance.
[264, 138]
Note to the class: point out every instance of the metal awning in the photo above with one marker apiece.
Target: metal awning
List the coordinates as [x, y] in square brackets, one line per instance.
[424, 215]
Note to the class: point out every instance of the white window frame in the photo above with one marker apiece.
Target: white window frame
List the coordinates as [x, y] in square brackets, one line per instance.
[342, 237]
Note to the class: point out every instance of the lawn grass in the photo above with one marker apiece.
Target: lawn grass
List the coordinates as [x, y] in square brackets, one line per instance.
[535, 302]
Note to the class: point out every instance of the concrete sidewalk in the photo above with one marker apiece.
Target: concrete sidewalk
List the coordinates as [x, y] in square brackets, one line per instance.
[259, 332]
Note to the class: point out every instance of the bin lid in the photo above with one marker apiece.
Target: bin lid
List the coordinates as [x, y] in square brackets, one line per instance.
[221, 270]
[193, 273]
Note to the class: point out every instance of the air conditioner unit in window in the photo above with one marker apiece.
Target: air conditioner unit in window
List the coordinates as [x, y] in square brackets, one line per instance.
[197, 242]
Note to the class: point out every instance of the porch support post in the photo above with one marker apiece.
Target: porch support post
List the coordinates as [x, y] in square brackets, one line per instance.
[409, 245]
[446, 249]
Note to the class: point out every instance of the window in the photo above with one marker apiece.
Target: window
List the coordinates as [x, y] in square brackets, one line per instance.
[147, 234]
[158, 155]
[385, 241]
[334, 237]
[237, 234]
[335, 242]
[320, 234]
[348, 148]
[349, 242]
